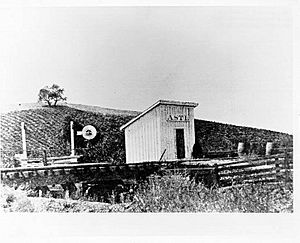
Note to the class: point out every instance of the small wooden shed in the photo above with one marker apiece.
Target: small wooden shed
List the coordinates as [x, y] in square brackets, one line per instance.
[163, 131]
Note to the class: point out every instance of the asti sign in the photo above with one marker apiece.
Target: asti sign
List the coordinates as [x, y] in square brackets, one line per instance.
[177, 118]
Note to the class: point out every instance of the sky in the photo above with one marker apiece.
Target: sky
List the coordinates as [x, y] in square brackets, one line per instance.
[236, 62]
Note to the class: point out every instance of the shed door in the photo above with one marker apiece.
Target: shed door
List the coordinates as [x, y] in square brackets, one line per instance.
[180, 143]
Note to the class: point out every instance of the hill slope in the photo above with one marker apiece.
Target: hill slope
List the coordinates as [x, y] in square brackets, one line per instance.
[47, 128]
[98, 109]
[215, 136]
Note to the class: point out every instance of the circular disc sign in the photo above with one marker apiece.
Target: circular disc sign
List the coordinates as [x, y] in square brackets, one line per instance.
[89, 132]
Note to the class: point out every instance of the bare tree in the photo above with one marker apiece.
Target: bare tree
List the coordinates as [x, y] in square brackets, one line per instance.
[52, 95]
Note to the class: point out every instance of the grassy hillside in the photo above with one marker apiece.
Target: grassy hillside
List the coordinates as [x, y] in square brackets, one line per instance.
[97, 109]
[214, 136]
[47, 128]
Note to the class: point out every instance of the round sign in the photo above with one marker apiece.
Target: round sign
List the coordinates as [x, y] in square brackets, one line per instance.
[89, 132]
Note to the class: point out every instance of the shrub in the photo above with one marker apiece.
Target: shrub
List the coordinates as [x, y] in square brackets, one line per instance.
[197, 150]
[109, 143]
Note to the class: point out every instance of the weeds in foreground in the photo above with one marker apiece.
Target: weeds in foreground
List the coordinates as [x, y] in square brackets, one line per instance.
[175, 193]
[169, 193]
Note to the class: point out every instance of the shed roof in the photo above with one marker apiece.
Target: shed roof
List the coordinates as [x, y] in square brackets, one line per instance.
[160, 102]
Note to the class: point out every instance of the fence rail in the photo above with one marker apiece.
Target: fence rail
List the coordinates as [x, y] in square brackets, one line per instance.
[277, 168]
[222, 172]
[241, 170]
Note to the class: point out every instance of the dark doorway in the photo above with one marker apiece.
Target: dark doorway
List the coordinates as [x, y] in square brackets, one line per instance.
[180, 143]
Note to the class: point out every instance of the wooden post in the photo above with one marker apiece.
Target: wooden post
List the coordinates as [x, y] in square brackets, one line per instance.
[241, 148]
[277, 169]
[269, 147]
[67, 194]
[72, 139]
[45, 158]
[24, 140]
[216, 178]
[286, 166]
[286, 160]
[79, 189]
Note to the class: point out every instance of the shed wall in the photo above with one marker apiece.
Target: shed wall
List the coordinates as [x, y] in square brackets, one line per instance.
[168, 129]
[143, 138]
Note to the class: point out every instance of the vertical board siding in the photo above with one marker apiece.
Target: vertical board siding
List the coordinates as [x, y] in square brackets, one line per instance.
[142, 139]
[151, 134]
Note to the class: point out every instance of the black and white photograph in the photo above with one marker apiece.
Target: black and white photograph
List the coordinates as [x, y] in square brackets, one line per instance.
[147, 110]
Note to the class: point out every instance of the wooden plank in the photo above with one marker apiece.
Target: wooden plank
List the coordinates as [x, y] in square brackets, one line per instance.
[246, 172]
[238, 167]
[35, 160]
[287, 166]
[51, 167]
[236, 181]
[250, 176]
[279, 173]
[265, 180]
[243, 161]
[194, 166]
[272, 157]
[229, 182]
[204, 172]
[64, 157]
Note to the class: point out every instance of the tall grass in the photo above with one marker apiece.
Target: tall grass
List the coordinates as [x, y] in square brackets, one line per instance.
[176, 193]
[169, 193]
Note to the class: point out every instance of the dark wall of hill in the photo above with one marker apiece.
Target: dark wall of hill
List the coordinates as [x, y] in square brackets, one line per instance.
[214, 136]
[48, 129]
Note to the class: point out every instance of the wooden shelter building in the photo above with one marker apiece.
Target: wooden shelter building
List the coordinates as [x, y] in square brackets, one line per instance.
[164, 131]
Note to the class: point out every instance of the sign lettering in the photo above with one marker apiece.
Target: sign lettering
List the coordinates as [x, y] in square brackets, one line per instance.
[177, 118]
